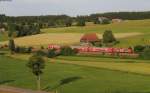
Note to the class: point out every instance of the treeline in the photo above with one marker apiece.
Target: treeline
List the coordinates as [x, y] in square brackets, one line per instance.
[42, 21]
[29, 25]
[64, 20]
[124, 15]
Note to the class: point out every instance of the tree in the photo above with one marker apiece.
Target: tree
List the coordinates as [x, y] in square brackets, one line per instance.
[96, 21]
[11, 29]
[80, 21]
[68, 51]
[139, 48]
[68, 22]
[37, 64]
[11, 45]
[51, 53]
[108, 37]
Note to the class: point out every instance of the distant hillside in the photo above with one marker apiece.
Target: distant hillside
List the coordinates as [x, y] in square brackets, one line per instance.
[61, 18]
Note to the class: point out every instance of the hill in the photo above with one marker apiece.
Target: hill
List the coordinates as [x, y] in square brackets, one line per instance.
[132, 32]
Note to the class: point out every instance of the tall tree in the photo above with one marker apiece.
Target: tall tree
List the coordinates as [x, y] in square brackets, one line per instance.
[11, 29]
[68, 22]
[108, 37]
[37, 64]
[80, 21]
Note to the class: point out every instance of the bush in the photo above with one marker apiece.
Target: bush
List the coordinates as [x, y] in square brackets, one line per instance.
[23, 49]
[97, 44]
[40, 53]
[146, 53]
[81, 22]
[68, 51]
[139, 48]
[51, 53]
[68, 22]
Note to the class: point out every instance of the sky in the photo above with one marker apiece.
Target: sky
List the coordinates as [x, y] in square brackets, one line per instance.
[70, 7]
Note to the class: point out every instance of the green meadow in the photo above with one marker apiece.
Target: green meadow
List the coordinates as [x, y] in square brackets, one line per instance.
[85, 74]
[127, 26]
[81, 79]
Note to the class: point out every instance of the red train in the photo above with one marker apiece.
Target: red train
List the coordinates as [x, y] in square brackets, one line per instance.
[96, 49]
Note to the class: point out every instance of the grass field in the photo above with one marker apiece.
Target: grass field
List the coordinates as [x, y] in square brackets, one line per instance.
[129, 33]
[125, 65]
[90, 80]
[128, 26]
[134, 40]
[3, 37]
[88, 74]
[59, 38]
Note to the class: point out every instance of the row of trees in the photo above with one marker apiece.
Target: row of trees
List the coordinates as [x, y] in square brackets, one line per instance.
[26, 29]
[21, 29]
[42, 21]
[123, 15]
[64, 20]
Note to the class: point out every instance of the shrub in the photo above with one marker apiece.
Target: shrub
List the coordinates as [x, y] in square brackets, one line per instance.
[19, 49]
[146, 53]
[51, 53]
[68, 22]
[139, 48]
[97, 44]
[40, 53]
[29, 49]
[68, 51]
[42, 47]
[81, 22]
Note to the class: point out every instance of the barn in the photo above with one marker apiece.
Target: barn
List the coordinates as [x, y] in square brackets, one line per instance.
[89, 37]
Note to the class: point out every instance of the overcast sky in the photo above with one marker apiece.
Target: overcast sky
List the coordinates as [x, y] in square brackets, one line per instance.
[70, 7]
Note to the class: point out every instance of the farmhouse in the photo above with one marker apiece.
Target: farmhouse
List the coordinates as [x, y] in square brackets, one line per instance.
[116, 20]
[89, 38]
[101, 19]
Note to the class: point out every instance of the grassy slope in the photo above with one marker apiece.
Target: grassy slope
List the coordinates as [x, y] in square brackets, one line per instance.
[124, 27]
[135, 40]
[101, 59]
[125, 65]
[142, 26]
[93, 80]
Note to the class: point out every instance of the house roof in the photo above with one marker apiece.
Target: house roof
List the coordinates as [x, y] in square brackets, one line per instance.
[90, 37]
